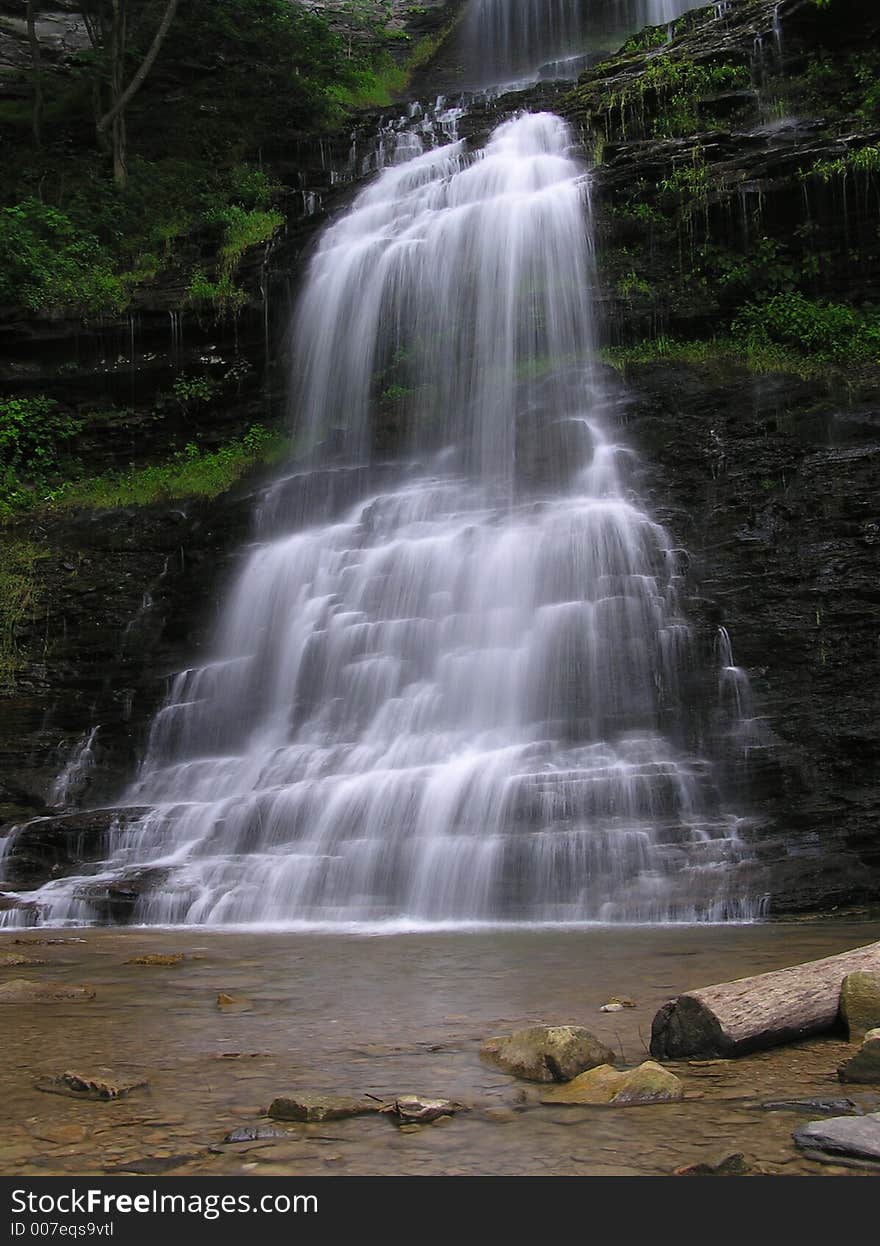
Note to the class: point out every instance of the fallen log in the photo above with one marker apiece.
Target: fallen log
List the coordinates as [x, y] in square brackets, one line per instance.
[734, 1018]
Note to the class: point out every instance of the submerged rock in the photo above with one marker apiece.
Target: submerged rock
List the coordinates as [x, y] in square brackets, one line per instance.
[860, 1003]
[256, 1133]
[159, 959]
[648, 1083]
[317, 1106]
[809, 1105]
[12, 960]
[857, 1137]
[24, 991]
[617, 1003]
[865, 1064]
[735, 1165]
[86, 1086]
[546, 1053]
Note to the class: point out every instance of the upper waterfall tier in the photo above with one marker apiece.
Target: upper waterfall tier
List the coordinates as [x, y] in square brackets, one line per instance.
[455, 278]
[505, 40]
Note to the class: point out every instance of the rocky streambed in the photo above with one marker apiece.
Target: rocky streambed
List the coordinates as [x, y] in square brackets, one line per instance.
[159, 1051]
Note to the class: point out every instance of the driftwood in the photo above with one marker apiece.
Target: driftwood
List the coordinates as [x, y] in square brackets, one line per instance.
[734, 1018]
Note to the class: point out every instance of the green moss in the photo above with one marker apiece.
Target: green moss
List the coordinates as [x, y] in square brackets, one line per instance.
[20, 596]
[726, 353]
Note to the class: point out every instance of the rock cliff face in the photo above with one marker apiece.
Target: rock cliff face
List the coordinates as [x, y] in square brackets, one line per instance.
[772, 488]
[728, 160]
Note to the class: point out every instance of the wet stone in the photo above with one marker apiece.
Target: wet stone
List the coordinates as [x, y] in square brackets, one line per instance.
[546, 1053]
[809, 1105]
[857, 1137]
[860, 1003]
[413, 1109]
[316, 1107]
[648, 1083]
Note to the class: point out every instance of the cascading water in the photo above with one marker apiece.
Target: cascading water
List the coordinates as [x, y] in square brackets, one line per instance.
[505, 40]
[466, 694]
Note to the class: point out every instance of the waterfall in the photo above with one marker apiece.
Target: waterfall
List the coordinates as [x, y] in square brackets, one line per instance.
[510, 40]
[456, 687]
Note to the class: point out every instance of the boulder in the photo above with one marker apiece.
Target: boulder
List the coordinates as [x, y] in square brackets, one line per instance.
[860, 1003]
[546, 1053]
[24, 991]
[87, 1086]
[865, 1064]
[316, 1106]
[855, 1137]
[648, 1083]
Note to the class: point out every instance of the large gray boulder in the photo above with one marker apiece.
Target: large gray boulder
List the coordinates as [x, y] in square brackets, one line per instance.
[546, 1053]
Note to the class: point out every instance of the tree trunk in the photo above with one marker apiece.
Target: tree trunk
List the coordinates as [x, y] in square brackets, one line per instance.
[752, 1013]
[36, 73]
[114, 119]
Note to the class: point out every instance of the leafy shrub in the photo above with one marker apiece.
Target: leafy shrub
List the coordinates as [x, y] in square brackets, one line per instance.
[50, 265]
[826, 331]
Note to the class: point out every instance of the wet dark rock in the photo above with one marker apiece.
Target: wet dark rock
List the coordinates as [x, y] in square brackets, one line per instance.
[810, 1105]
[48, 847]
[731, 1166]
[153, 1165]
[114, 902]
[760, 484]
[546, 1053]
[857, 1137]
[25, 910]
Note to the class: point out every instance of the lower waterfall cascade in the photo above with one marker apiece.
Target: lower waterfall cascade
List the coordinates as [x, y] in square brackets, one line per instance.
[457, 687]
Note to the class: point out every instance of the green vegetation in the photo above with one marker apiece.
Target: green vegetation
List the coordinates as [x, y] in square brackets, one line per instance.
[40, 468]
[20, 596]
[191, 472]
[33, 437]
[824, 332]
[666, 97]
[724, 354]
[864, 160]
[234, 83]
